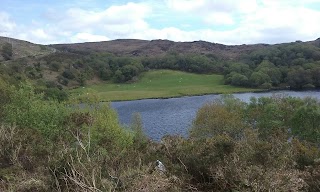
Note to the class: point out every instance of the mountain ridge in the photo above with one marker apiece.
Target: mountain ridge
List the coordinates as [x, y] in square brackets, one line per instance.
[140, 47]
[159, 47]
[22, 48]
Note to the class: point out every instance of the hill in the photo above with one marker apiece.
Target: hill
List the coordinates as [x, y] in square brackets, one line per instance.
[134, 47]
[22, 48]
[295, 65]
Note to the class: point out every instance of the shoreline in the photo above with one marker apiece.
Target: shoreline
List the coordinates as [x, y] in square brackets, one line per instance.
[237, 92]
[218, 93]
[181, 96]
[191, 95]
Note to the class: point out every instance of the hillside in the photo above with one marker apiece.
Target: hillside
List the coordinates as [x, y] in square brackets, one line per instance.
[133, 47]
[54, 141]
[160, 84]
[295, 65]
[22, 48]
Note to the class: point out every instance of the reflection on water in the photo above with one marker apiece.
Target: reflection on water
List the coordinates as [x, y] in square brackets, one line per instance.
[174, 116]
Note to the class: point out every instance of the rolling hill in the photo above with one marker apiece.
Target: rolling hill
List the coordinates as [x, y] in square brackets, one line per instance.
[22, 48]
[295, 64]
[133, 47]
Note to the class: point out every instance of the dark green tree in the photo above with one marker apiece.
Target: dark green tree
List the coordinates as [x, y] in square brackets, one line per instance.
[118, 76]
[259, 78]
[299, 78]
[7, 51]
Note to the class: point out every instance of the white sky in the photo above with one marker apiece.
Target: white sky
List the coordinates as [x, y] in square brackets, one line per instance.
[219, 21]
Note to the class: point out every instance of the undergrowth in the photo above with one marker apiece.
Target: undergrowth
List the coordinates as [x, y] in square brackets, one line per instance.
[68, 146]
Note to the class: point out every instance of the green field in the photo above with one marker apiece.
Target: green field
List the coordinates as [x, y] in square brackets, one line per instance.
[161, 84]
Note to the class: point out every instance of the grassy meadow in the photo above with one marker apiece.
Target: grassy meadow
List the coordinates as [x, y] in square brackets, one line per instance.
[161, 84]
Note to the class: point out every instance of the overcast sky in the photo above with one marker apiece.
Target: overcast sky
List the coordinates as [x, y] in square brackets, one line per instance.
[219, 21]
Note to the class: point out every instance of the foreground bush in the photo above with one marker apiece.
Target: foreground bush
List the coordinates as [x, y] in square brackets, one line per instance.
[233, 146]
[75, 147]
[221, 163]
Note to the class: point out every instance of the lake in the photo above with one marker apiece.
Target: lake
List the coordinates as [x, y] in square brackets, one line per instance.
[174, 116]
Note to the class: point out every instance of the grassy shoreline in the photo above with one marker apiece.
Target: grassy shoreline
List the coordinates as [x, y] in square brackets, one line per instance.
[181, 96]
[162, 84]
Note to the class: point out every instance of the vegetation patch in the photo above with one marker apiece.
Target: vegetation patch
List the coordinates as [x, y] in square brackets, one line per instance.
[161, 84]
[52, 142]
[268, 144]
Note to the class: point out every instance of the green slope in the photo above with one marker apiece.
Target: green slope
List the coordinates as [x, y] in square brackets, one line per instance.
[161, 84]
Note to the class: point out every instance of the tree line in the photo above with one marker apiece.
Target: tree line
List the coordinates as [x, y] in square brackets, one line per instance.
[295, 65]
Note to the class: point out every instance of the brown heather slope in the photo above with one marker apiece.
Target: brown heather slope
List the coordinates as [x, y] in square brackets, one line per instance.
[24, 48]
[315, 42]
[132, 47]
[135, 47]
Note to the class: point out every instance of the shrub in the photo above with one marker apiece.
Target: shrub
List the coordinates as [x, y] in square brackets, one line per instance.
[55, 94]
[304, 153]
[222, 163]
[64, 81]
[28, 110]
[220, 116]
[55, 66]
[5, 95]
[306, 122]
[140, 139]
[68, 74]
[7, 51]
[68, 146]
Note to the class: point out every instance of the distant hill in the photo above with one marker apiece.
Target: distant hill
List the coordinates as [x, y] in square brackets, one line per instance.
[295, 64]
[136, 47]
[133, 47]
[22, 48]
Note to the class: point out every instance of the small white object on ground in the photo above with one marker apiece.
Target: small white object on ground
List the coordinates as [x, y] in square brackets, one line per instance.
[160, 166]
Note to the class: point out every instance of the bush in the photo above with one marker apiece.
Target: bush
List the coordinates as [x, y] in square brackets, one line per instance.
[306, 122]
[7, 51]
[222, 163]
[55, 94]
[63, 81]
[220, 116]
[87, 140]
[68, 74]
[305, 153]
[65, 146]
[55, 66]
[5, 95]
[28, 110]
[140, 139]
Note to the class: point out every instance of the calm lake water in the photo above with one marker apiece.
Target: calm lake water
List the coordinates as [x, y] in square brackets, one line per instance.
[174, 116]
